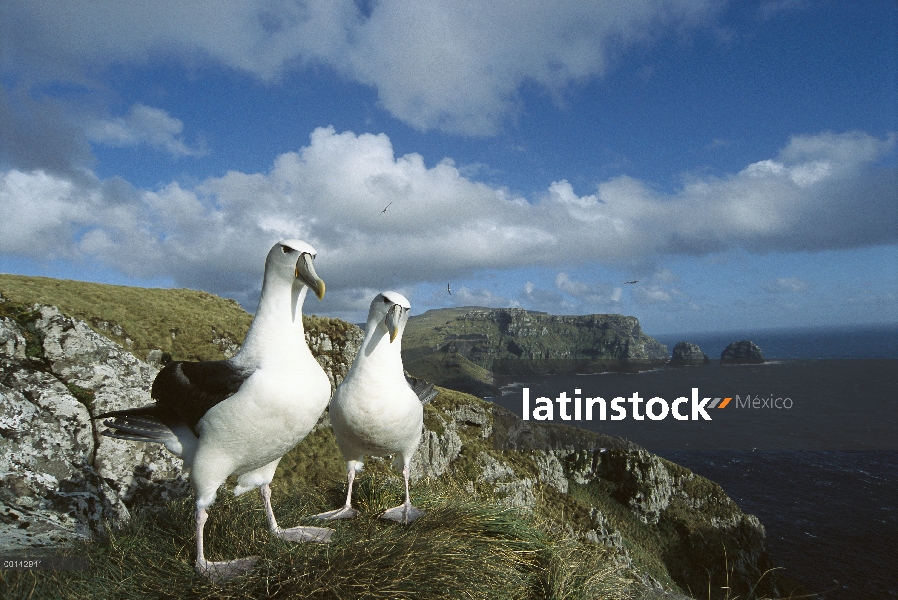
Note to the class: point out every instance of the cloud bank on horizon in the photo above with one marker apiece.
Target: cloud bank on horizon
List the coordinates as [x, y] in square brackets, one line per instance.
[460, 71]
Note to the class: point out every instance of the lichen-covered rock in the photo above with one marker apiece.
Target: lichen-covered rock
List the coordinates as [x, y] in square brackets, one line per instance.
[475, 416]
[494, 469]
[743, 352]
[334, 344]
[520, 493]
[550, 471]
[61, 478]
[12, 342]
[436, 452]
[45, 443]
[110, 378]
[645, 484]
[583, 465]
[686, 354]
[228, 345]
[603, 532]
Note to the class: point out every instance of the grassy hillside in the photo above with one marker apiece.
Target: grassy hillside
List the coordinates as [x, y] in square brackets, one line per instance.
[187, 324]
[184, 323]
[424, 333]
[461, 548]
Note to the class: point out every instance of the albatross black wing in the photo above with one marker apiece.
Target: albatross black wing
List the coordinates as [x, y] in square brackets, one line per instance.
[187, 390]
[422, 389]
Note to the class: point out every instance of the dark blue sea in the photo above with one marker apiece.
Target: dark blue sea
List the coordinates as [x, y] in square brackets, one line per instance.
[821, 475]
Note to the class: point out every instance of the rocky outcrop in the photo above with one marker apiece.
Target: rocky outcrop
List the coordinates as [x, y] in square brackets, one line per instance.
[686, 354]
[60, 478]
[552, 468]
[436, 452]
[739, 353]
[334, 343]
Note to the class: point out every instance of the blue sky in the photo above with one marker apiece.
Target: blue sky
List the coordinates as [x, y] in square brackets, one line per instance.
[738, 159]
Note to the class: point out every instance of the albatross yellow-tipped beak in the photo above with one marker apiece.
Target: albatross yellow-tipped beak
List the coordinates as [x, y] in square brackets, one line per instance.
[305, 272]
[392, 321]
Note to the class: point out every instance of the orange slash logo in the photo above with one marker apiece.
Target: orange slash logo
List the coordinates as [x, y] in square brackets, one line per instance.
[718, 404]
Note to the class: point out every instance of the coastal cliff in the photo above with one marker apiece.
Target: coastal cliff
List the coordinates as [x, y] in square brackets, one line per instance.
[464, 348]
[657, 525]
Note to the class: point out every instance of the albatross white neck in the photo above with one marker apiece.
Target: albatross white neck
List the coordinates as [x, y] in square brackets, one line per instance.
[277, 332]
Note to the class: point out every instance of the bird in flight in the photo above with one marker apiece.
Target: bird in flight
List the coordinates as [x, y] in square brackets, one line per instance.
[631, 282]
[385, 208]
[448, 289]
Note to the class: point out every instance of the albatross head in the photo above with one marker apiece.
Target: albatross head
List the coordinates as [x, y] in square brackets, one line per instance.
[391, 309]
[295, 257]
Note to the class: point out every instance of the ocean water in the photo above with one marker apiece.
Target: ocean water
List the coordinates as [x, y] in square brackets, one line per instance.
[822, 475]
[857, 342]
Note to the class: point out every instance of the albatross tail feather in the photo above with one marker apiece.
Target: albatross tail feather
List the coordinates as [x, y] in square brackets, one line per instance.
[141, 430]
[143, 425]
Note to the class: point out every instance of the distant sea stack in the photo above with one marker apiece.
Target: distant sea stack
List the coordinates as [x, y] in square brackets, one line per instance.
[741, 353]
[686, 354]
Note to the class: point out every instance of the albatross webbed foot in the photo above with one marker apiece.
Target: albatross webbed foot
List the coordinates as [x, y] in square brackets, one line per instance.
[305, 534]
[293, 534]
[404, 513]
[220, 572]
[346, 512]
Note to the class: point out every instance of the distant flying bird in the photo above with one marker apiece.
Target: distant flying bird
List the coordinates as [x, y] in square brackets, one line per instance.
[631, 282]
[385, 208]
[376, 411]
[240, 416]
[448, 289]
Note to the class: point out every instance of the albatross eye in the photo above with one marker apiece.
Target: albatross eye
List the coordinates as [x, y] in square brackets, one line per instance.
[286, 249]
[386, 301]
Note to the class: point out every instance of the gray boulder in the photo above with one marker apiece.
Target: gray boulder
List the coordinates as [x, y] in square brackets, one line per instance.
[436, 451]
[686, 354]
[61, 479]
[739, 353]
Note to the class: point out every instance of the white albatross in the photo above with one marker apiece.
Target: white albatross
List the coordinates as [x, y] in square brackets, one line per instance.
[375, 411]
[240, 416]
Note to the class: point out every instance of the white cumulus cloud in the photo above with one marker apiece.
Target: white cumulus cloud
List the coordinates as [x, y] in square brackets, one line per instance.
[143, 125]
[786, 285]
[441, 226]
[593, 296]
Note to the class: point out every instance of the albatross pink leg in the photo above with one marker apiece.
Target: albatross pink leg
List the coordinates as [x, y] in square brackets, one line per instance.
[217, 572]
[347, 511]
[405, 512]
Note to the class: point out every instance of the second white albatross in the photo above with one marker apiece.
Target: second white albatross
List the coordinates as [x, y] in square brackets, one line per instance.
[374, 410]
[240, 416]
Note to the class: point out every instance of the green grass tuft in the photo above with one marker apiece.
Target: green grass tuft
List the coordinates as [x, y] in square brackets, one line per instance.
[462, 548]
